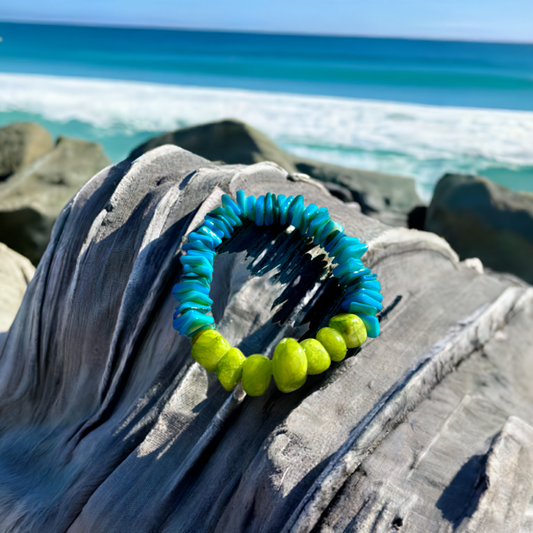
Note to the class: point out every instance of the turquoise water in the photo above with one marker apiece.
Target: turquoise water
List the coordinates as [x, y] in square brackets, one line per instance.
[417, 108]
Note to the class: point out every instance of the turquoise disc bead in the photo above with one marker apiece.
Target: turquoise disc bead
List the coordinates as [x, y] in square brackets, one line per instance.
[269, 210]
[317, 222]
[284, 210]
[211, 234]
[332, 241]
[223, 225]
[296, 212]
[197, 236]
[187, 306]
[209, 224]
[196, 297]
[372, 285]
[192, 321]
[361, 297]
[260, 211]
[371, 324]
[186, 285]
[355, 251]
[356, 307]
[250, 208]
[352, 277]
[229, 204]
[349, 266]
[309, 212]
[241, 202]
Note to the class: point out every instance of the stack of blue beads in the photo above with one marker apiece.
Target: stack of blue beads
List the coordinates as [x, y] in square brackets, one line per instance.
[362, 289]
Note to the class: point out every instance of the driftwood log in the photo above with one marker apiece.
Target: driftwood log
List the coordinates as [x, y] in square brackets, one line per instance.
[107, 424]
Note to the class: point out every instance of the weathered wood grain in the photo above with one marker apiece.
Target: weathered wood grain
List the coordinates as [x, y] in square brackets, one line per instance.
[108, 425]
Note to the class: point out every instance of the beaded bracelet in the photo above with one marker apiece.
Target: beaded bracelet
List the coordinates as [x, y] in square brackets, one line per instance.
[292, 360]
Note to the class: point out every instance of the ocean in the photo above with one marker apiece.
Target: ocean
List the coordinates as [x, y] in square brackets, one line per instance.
[407, 107]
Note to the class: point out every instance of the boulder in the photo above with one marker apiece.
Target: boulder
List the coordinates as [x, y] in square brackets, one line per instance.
[387, 197]
[31, 199]
[480, 218]
[15, 274]
[108, 424]
[22, 143]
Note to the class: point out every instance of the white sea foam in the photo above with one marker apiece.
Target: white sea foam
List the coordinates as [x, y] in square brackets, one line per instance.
[417, 140]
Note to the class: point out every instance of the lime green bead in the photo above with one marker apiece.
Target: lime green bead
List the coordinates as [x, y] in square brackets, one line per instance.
[229, 368]
[318, 359]
[256, 374]
[289, 365]
[351, 327]
[209, 348]
[333, 342]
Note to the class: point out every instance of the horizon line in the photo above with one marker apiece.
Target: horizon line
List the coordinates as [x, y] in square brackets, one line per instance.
[254, 31]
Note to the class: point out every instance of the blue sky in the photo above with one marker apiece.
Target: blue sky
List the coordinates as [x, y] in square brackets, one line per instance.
[483, 20]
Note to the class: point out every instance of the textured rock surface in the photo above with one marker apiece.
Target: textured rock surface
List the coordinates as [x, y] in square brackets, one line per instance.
[31, 199]
[482, 219]
[108, 425]
[386, 197]
[22, 143]
[15, 274]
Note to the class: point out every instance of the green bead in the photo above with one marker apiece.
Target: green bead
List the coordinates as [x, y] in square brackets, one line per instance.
[333, 342]
[209, 349]
[351, 327]
[256, 374]
[229, 368]
[318, 359]
[289, 365]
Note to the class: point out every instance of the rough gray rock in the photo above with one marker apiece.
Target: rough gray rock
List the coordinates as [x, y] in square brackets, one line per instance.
[15, 274]
[108, 425]
[22, 143]
[386, 197]
[480, 218]
[31, 199]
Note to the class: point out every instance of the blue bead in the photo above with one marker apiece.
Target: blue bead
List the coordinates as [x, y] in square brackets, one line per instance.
[342, 244]
[284, 210]
[275, 209]
[194, 260]
[372, 285]
[206, 272]
[356, 251]
[330, 231]
[365, 299]
[372, 294]
[213, 227]
[296, 211]
[208, 232]
[191, 322]
[317, 222]
[222, 225]
[371, 324]
[228, 215]
[308, 214]
[192, 276]
[357, 307]
[208, 254]
[196, 297]
[260, 210]
[228, 203]
[250, 208]
[351, 265]
[199, 246]
[269, 210]
[241, 202]
[187, 285]
[332, 240]
[352, 277]
[187, 306]
[201, 236]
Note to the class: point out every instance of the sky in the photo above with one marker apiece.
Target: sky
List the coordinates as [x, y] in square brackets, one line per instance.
[470, 20]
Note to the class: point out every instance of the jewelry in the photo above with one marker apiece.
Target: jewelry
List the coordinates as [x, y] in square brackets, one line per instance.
[292, 361]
